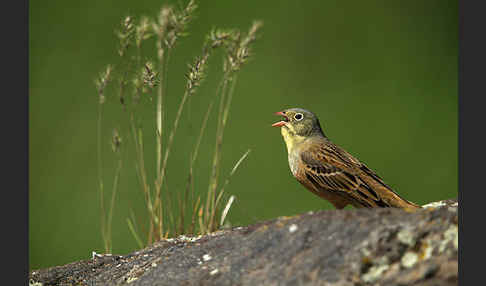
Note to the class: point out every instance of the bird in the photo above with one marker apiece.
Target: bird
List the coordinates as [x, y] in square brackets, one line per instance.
[329, 171]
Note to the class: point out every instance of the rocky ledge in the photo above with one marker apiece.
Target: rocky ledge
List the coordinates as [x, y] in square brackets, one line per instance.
[332, 247]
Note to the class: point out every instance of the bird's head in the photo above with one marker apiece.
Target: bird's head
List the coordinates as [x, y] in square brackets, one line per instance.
[297, 125]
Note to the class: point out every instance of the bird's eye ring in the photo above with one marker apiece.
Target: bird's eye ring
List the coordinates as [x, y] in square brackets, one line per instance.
[298, 116]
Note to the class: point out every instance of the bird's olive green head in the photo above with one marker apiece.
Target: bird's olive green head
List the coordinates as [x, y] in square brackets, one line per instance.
[299, 122]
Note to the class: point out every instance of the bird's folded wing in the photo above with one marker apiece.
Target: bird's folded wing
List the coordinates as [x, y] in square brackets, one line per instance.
[332, 170]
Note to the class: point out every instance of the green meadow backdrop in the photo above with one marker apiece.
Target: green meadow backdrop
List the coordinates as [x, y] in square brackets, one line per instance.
[381, 76]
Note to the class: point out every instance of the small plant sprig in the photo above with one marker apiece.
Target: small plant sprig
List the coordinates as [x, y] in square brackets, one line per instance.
[147, 77]
[238, 50]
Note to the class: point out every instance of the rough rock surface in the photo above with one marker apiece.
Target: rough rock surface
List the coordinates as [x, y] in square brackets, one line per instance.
[338, 247]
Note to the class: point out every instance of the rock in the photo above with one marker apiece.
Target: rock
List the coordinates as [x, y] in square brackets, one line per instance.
[332, 247]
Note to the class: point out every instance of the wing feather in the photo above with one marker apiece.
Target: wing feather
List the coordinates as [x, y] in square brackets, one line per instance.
[332, 169]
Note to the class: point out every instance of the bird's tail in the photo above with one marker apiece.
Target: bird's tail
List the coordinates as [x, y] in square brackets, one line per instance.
[394, 200]
[387, 195]
[405, 205]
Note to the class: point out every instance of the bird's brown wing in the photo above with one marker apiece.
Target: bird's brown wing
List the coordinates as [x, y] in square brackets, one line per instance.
[328, 168]
[367, 188]
[337, 155]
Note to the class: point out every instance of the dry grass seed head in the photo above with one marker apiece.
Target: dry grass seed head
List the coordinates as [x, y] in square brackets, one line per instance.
[143, 31]
[116, 141]
[102, 81]
[125, 34]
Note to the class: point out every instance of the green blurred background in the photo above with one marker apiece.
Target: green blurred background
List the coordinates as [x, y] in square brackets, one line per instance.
[381, 76]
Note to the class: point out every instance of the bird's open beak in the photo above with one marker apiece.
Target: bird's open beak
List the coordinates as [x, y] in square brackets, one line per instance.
[283, 122]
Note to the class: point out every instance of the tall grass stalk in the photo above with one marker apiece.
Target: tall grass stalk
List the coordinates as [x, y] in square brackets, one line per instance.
[116, 143]
[101, 82]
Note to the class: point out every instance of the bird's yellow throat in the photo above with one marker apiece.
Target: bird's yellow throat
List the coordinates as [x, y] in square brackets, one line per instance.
[291, 139]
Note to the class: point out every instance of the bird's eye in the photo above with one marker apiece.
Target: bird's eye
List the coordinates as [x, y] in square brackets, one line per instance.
[298, 116]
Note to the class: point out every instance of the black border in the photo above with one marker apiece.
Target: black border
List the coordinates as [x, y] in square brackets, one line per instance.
[15, 132]
[471, 83]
